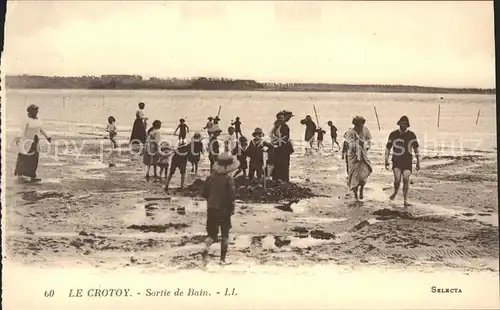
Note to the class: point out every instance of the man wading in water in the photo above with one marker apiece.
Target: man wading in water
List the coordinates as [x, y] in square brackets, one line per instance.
[401, 142]
[310, 131]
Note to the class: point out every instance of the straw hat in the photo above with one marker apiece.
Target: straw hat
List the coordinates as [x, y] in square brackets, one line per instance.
[404, 120]
[258, 132]
[226, 163]
[197, 135]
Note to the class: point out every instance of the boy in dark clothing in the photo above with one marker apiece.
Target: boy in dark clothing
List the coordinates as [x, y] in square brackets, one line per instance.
[255, 151]
[183, 130]
[333, 134]
[216, 120]
[310, 130]
[321, 133]
[195, 151]
[213, 145]
[239, 151]
[237, 127]
[345, 150]
[219, 190]
[179, 160]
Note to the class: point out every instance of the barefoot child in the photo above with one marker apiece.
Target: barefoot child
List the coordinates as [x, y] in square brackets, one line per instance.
[111, 129]
[231, 140]
[179, 161]
[195, 151]
[213, 145]
[219, 190]
[166, 153]
[321, 133]
[209, 125]
[333, 134]
[239, 151]
[255, 151]
[237, 127]
[151, 154]
[183, 130]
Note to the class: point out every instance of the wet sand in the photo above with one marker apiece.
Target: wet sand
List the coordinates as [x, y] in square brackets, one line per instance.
[86, 213]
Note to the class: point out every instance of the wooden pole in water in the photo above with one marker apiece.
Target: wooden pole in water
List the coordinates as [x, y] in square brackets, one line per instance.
[317, 119]
[439, 114]
[376, 115]
[64, 102]
[218, 113]
[478, 113]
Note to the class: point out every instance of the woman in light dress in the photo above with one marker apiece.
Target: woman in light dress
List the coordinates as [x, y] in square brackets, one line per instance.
[358, 142]
[27, 140]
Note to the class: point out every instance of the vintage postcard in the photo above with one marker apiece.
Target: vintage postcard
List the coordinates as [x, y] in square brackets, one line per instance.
[249, 155]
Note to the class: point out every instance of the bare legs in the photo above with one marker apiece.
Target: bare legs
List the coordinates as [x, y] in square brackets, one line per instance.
[154, 172]
[398, 175]
[223, 250]
[359, 189]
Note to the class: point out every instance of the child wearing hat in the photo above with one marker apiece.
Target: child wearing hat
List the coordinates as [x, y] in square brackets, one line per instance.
[239, 151]
[213, 145]
[255, 151]
[216, 120]
[195, 151]
[183, 130]
[209, 124]
[179, 161]
[166, 153]
[220, 193]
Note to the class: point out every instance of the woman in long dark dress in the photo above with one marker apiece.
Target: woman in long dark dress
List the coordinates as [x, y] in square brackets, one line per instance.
[283, 147]
[139, 128]
[27, 141]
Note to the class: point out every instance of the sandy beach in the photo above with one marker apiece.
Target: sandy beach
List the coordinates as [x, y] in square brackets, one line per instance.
[85, 212]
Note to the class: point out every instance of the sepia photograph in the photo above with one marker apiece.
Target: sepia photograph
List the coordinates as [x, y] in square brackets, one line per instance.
[249, 155]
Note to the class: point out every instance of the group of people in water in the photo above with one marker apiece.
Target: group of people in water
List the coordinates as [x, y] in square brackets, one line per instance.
[260, 158]
[236, 156]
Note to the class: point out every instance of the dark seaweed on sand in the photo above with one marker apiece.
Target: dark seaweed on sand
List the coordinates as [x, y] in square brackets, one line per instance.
[253, 191]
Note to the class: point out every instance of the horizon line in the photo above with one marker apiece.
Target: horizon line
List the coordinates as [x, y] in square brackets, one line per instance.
[146, 78]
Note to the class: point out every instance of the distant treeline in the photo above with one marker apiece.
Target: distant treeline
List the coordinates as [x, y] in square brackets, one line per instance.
[202, 83]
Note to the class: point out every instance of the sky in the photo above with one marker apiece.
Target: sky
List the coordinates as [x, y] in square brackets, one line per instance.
[428, 43]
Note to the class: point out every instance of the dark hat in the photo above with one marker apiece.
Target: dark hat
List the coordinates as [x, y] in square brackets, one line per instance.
[217, 118]
[404, 119]
[210, 118]
[258, 132]
[32, 107]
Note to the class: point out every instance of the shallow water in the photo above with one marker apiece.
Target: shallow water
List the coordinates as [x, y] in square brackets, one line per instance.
[457, 123]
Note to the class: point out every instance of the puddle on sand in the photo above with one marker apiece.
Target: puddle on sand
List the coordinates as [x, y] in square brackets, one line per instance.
[99, 176]
[269, 242]
[317, 220]
[52, 180]
[88, 165]
[58, 164]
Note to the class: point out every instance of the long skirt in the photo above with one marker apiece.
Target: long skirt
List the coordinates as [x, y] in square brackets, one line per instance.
[27, 164]
[359, 171]
[138, 132]
[281, 162]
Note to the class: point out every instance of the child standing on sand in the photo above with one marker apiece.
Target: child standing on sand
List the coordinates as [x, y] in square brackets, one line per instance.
[195, 151]
[213, 145]
[111, 129]
[237, 127]
[209, 125]
[333, 134]
[239, 151]
[151, 154]
[219, 190]
[166, 153]
[231, 140]
[183, 130]
[321, 133]
[255, 152]
[179, 161]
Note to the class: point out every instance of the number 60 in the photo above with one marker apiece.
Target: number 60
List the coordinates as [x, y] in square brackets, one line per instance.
[49, 293]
